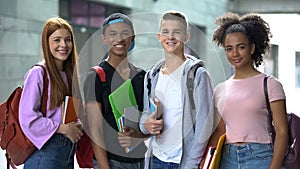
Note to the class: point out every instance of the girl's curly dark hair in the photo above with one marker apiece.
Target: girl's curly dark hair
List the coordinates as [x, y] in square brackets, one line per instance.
[252, 25]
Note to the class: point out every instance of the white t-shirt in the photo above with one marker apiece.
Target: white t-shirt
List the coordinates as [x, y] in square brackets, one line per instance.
[168, 146]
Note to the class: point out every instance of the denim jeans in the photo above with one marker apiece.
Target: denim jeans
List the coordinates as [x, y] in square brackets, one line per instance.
[113, 164]
[246, 156]
[57, 153]
[158, 164]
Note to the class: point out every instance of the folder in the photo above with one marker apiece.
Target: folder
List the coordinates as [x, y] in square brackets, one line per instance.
[218, 153]
[123, 97]
[70, 109]
[208, 157]
[132, 117]
[152, 106]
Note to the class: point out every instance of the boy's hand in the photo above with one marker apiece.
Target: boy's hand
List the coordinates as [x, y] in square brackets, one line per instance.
[129, 137]
[154, 125]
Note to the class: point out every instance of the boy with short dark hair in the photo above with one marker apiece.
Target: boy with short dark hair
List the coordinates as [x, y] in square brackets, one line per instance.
[108, 143]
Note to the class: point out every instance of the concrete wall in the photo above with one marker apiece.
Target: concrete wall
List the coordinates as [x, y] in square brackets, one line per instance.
[266, 6]
[21, 24]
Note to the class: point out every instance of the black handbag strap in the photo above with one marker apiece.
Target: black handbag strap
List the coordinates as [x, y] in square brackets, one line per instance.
[270, 117]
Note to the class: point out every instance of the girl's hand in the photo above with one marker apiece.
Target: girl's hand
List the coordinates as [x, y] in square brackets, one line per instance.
[72, 130]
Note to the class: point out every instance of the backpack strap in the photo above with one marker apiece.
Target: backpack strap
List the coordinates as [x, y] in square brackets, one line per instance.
[190, 83]
[150, 75]
[190, 86]
[100, 73]
[9, 162]
[270, 117]
[43, 108]
[148, 84]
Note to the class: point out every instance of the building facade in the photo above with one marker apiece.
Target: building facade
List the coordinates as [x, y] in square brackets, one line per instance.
[21, 24]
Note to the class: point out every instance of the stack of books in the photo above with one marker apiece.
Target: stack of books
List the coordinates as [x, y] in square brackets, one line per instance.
[214, 155]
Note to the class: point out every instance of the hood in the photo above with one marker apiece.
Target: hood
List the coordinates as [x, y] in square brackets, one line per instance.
[190, 63]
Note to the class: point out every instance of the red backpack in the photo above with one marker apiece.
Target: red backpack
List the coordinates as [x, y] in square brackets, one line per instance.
[12, 139]
[84, 151]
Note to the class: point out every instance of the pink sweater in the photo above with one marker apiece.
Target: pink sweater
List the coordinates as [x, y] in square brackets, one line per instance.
[242, 105]
[36, 127]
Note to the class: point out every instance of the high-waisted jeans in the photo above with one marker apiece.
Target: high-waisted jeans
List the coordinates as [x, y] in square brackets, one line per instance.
[246, 156]
[57, 153]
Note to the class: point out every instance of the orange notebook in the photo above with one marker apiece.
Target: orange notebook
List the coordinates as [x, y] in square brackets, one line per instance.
[70, 109]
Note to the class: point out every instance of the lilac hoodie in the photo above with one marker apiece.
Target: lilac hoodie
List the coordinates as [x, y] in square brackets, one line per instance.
[37, 128]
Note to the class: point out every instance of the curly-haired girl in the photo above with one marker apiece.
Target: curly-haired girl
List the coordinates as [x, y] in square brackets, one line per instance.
[240, 100]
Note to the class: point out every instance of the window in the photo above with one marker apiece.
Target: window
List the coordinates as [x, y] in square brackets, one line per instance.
[86, 17]
[196, 45]
[87, 13]
[79, 12]
[297, 70]
[274, 57]
[271, 61]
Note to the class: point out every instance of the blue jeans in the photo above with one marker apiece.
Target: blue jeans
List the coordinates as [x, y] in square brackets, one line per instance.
[246, 156]
[158, 164]
[58, 152]
[113, 164]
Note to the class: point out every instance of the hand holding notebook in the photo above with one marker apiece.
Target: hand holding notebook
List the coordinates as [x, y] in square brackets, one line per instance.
[125, 109]
[155, 108]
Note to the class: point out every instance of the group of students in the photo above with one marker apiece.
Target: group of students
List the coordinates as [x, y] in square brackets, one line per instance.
[184, 125]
